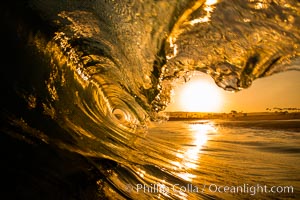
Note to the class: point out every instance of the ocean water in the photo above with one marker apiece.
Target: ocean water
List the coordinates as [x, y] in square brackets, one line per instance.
[84, 86]
[247, 157]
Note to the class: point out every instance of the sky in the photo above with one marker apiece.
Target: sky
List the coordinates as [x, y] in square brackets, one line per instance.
[279, 90]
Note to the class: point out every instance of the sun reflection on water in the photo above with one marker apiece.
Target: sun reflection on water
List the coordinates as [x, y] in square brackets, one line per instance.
[191, 156]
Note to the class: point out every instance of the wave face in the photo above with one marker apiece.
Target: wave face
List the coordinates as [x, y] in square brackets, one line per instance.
[87, 77]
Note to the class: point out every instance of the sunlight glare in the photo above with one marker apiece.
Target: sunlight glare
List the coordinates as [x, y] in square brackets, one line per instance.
[200, 96]
[191, 156]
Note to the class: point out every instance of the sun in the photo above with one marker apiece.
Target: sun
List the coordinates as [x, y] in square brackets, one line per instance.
[200, 95]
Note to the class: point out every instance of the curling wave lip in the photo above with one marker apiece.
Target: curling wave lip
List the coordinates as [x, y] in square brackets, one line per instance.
[86, 75]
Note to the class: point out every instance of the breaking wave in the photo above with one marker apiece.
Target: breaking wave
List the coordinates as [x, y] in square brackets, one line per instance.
[89, 77]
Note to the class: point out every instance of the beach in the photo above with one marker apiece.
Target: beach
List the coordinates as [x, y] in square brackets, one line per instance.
[179, 116]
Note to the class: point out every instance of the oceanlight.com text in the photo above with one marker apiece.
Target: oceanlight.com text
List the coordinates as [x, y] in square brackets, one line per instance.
[210, 188]
[250, 189]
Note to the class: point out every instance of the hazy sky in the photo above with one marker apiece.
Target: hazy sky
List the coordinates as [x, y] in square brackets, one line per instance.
[279, 90]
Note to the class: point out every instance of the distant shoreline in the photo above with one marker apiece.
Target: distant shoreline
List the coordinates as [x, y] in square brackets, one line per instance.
[185, 116]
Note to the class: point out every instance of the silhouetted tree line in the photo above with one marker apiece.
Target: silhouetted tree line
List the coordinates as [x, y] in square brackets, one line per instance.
[283, 109]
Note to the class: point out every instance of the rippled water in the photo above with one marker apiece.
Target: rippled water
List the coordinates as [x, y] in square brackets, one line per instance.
[83, 82]
[215, 154]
